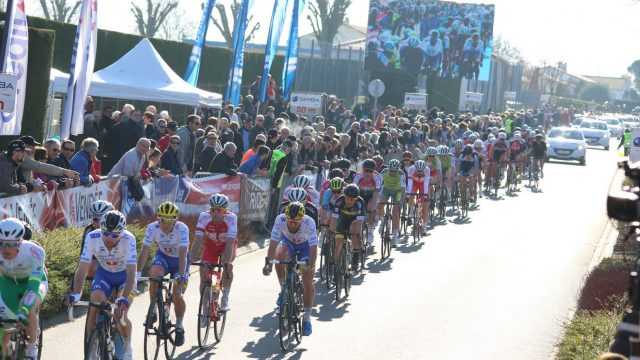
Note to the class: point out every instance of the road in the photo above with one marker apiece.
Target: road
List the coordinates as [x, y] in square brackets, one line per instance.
[498, 286]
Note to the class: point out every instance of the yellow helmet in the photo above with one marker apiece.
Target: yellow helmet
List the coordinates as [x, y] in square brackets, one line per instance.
[294, 211]
[168, 210]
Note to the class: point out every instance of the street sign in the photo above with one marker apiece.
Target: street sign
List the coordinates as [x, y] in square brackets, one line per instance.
[510, 95]
[415, 101]
[8, 84]
[309, 104]
[376, 88]
[473, 98]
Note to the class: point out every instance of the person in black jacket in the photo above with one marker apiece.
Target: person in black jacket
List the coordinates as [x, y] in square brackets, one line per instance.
[169, 159]
[122, 138]
[237, 140]
[208, 152]
[223, 162]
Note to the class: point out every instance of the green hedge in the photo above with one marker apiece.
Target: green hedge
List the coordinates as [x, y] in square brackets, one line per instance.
[62, 247]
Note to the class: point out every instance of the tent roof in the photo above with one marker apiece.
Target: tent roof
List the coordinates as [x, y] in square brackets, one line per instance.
[142, 74]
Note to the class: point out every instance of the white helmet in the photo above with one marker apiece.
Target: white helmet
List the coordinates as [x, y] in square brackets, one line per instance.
[477, 143]
[532, 133]
[458, 143]
[444, 150]
[502, 135]
[301, 181]
[420, 165]
[297, 194]
[219, 201]
[432, 151]
[472, 137]
[98, 208]
[113, 221]
[491, 137]
[517, 136]
[11, 229]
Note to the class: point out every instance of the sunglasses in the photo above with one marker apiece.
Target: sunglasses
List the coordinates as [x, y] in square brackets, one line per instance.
[110, 235]
[96, 219]
[162, 127]
[218, 210]
[9, 244]
[167, 220]
[293, 222]
[67, 149]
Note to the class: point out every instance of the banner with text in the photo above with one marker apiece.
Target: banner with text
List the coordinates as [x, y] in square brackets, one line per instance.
[254, 198]
[415, 101]
[308, 104]
[74, 203]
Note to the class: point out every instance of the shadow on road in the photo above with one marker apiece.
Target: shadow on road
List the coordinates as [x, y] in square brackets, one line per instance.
[196, 353]
[378, 266]
[461, 221]
[270, 342]
[411, 248]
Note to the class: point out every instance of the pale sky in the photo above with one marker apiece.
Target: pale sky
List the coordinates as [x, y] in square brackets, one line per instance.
[594, 38]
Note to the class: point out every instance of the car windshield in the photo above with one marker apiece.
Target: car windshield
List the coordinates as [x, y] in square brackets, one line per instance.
[566, 134]
[593, 125]
[613, 122]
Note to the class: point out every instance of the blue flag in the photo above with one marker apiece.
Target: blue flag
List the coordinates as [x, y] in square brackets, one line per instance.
[291, 57]
[237, 60]
[275, 29]
[193, 68]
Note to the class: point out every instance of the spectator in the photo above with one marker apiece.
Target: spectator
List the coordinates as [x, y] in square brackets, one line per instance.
[123, 137]
[200, 140]
[237, 140]
[245, 133]
[147, 120]
[350, 149]
[258, 128]
[279, 163]
[153, 167]
[160, 130]
[249, 106]
[307, 154]
[106, 122]
[49, 184]
[269, 118]
[225, 134]
[223, 163]
[208, 152]
[254, 90]
[117, 117]
[96, 168]
[169, 159]
[82, 160]
[163, 143]
[132, 161]
[53, 152]
[253, 150]
[252, 165]
[10, 161]
[188, 142]
[28, 164]
[126, 112]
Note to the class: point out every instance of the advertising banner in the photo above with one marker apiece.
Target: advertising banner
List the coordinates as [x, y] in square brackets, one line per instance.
[510, 95]
[437, 38]
[137, 209]
[74, 203]
[415, 101]
[254, 198]
[306, 103]
[193, 194]
[37, 209]
[472, 98]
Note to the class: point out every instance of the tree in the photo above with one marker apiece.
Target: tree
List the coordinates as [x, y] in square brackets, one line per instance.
[177, 27]
[595, 92]
[634, 69]
[505, 50]
[226, 27]
[326, 18]
[150, 21]
[60, 10]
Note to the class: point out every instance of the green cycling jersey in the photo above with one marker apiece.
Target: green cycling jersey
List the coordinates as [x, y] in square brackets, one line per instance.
[392, 181]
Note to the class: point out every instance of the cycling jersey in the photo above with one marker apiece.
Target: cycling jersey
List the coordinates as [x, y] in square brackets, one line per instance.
[22, 276]
[498, 149]
[370, 185]
[168, 244]
[114, 260]
[446, 161]
[392, 181]
[516, 148]
[538, 149]
[357, 210]
[329, 200]
[466, 165]
[305, 234]
[435, 166]
[418, 183]
[212, 232]
[312, 194]
[310, 210]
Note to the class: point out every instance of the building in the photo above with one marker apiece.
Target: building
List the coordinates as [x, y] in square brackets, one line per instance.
[348, 36]
[619, 87]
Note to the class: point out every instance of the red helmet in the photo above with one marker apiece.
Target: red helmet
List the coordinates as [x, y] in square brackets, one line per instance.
[379, 160]
[407, 155]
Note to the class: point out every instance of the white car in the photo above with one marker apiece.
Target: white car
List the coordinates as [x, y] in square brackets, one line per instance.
[565, 143]
[614, 125]
[596, 132]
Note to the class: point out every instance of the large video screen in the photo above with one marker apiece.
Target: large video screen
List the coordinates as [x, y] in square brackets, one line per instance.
[433, 38]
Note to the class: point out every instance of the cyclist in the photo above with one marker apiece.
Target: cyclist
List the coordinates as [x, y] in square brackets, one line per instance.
[23, 282]
[294, 231]
[347, 218]
[539, 153]
[499, 153]
[393, 186]
[467, 166]
[97, 209]
[329, 198]
[370, 183]
[172, 238]
[380, 165]
[419, 175]
[478, 148]
[303, 182]
[517, 147]
[447, 162]
[434, 165]
[219, 229]
[457, 148]
[115, 249]
[348, 174]
[300, 195]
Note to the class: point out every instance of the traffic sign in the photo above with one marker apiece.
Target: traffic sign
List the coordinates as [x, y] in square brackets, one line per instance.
[376, 88]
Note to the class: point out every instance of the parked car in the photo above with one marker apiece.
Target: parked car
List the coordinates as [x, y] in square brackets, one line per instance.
[595, 132]
[614, 125]
[565, 143]
[576, 123]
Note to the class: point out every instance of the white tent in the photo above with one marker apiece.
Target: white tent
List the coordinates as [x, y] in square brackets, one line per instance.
[141, 74]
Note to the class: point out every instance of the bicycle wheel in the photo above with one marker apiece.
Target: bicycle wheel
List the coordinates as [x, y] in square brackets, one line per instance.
[322, 240]
[96, 346]
[386, 239]
[496, 181]
[340, 271]
[204, 316]
[464, 201]
[169, 327]
[329, 267]
[347, 273]
[219, 317]
[285, 326]
[152, 331]
[417, 214]
[364, 246]
[40, 336]
[297, 306]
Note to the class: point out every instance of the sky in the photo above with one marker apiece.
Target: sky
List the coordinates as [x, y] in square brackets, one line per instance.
[594, 38]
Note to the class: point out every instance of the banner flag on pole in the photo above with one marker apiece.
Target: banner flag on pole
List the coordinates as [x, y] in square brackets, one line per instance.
[81, 69]
[291, 57]
[15, 62]
[237, 60]
[275, 29]
[193, 68]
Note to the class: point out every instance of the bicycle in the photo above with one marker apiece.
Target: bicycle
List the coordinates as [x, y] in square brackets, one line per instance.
[291, 306]
[417, 217]
[364, 242]
[208, 309]
[385, 231]
[455, 193]
[101, 341]
[327, 267]
[442, 202]
[535, 175]
[342, 272]
[18, 343]
[464, 197]
[165, 331]
[498, 177]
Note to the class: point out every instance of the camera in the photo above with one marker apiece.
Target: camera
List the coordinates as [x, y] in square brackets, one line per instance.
[624, 205]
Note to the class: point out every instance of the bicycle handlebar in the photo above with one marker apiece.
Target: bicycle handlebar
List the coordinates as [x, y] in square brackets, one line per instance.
[99, 305]
[157, 278]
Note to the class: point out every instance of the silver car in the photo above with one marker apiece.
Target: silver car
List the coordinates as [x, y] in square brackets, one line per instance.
[614, 125]
[596, 132]
[565, 143]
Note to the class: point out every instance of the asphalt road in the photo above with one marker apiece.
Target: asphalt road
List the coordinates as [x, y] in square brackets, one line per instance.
[497, 286]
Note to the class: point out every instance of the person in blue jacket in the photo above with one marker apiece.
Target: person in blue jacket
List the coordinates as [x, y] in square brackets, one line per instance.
[81, 161]
[251, 166]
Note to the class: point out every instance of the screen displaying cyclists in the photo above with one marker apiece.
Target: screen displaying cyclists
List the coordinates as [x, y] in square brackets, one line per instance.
[434, 38]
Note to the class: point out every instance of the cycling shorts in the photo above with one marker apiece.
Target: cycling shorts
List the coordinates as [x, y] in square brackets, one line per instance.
[12, 291]
[344, 223]
[169, 264]
[213, 252]
[108, 282]
[301, 248]
[366, 196]
[385, 194]
[419, 188]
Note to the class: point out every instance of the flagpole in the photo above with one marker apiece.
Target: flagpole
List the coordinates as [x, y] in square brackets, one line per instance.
[5, 33]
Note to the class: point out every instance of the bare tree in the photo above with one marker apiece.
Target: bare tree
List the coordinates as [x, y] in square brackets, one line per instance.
[177, 27]
[505, 50]
[226, 27]
[326, 18]
[151, 19]
[60, 10]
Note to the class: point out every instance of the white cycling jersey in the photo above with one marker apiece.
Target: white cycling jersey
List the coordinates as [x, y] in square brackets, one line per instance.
[29, 263]
[169, 243]
[116, 260]
[413, 177]
[306, 232]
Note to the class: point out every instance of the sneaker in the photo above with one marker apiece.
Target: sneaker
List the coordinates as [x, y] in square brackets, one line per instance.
[152, 319]
[202, 321]
[306, 328]
[179, 337]
[224, 305]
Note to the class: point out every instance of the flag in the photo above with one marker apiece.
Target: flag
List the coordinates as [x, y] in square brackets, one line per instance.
[237, 60]
[291, 57]
[81, 69]
[275, 29]
[15, 62]
[193, 68]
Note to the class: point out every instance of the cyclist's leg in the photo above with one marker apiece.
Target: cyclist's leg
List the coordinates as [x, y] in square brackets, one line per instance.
[227, 277]
[101, 289]
[283, 252]
[342, 228]
[9, 304]
[395, 218]
[425, 197]
[178, 289]
[355, 229]
[159, 267]
[32, 328]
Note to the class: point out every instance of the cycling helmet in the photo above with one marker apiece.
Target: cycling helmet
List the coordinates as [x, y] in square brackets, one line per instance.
[113, 221]
[518, 129]
[336, 173]
[491, 137]
[301, 181]
[502, 135]
[98, 208]
[477, 143]
[517, 136]
[468, 149]
[369, 164]
[438, 121]
[351, 190]
[11, 229]
[473, 137]
[28, 234]
[532, 133]
[344, 164]
[393, 165]
[458, 143]
[336, 184]
[420, 165]
[168, 210]
[379, 160]
[297, 194]
[432, 151]
[539, 136]
[435, 33]
[413, 42]
[389, 46]
[219, 201]
[444, 150]
[407, 155]
[294, 211]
